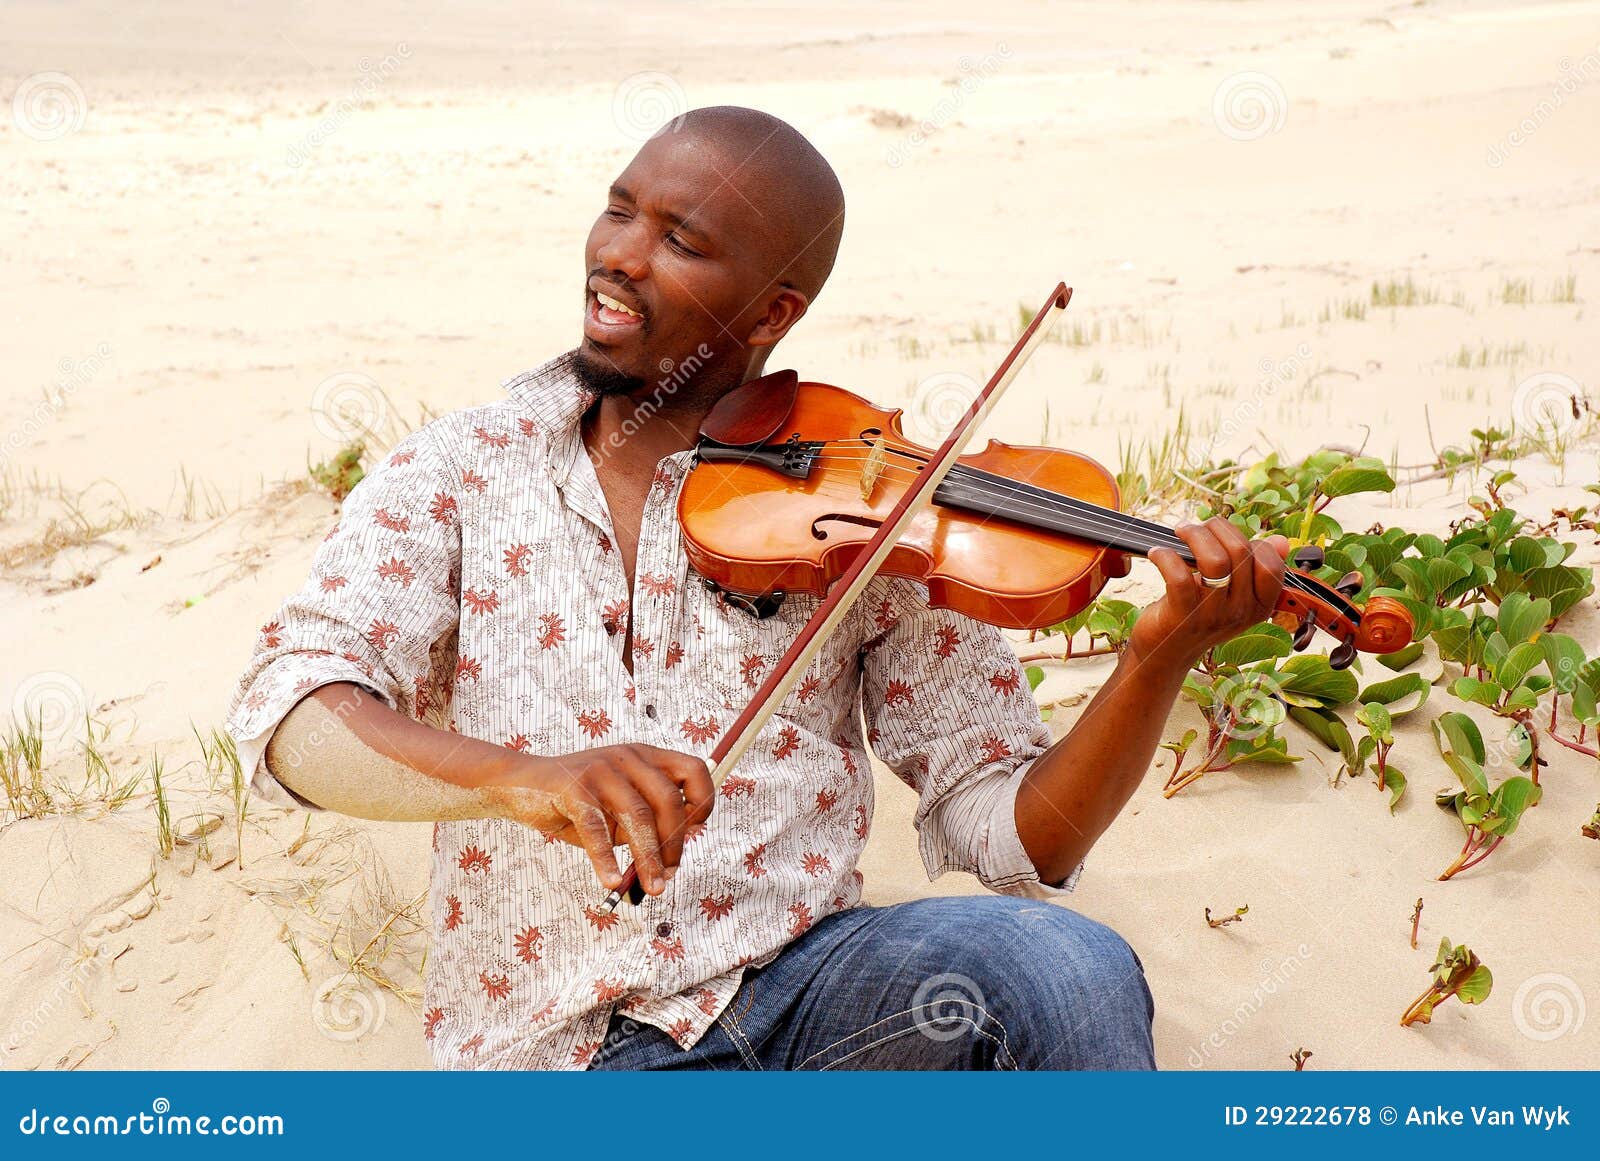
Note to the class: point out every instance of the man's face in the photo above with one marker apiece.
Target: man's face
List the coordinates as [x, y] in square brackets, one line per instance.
[679, 249]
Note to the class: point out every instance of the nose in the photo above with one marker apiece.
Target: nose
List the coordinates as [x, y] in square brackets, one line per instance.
[626, 250]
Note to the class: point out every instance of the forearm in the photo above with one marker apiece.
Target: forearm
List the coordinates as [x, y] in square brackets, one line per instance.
[343, 749]
[1072, 792]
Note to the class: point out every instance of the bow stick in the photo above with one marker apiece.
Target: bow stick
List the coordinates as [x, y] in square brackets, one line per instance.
[809, 641]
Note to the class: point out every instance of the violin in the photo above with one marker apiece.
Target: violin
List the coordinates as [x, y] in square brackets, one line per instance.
[791, 479]
[806, 487]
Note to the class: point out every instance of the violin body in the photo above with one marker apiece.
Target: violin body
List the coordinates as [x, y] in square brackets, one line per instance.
[792, 481]
[754, 530]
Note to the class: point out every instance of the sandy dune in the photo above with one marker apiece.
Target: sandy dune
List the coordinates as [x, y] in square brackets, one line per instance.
[225, 224]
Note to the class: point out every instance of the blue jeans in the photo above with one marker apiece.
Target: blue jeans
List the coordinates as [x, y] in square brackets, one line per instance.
[987, 982]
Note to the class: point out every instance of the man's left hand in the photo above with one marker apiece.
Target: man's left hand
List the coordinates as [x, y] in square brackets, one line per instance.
[1194, 616]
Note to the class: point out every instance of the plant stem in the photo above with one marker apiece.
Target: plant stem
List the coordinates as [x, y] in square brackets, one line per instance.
[1571, 745]
[1415, 1010]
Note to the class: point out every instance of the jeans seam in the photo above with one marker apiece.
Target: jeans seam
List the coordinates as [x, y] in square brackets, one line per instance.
[729, 1019]
[1003, 1043]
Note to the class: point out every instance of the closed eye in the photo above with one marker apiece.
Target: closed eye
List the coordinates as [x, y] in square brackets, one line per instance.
[681, 246]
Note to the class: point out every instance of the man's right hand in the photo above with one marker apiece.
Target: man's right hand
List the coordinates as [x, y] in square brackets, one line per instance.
[595, 799]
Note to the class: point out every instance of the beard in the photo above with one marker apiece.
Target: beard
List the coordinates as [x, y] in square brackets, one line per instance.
[600, 376]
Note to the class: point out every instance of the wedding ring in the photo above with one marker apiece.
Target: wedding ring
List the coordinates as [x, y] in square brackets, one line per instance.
[1215, 582]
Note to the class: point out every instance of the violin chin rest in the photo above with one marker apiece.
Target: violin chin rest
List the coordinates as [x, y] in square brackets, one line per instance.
[752, 413]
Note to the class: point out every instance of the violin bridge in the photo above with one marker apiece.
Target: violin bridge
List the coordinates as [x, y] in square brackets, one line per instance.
[872, 469]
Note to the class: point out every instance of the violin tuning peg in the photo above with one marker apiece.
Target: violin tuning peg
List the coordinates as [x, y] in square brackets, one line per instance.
[1341, 657]
[1308, 557]
[1349, 584]
[1303, 634]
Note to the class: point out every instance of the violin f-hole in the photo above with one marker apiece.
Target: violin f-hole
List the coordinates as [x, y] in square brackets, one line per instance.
[844, 518]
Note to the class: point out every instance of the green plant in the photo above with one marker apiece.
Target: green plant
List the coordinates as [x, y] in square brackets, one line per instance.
[1456, 972]
[1489, 816]
[340, 476]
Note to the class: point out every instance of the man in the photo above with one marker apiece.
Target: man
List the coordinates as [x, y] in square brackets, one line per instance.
[501, 635]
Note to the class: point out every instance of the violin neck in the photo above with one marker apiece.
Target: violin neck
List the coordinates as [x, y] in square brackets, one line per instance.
[975, 490]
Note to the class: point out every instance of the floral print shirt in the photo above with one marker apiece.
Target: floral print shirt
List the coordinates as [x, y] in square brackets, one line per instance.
[472, 583]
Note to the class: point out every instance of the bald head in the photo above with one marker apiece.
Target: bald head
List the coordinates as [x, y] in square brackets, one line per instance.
[714, 242]
[792, 186]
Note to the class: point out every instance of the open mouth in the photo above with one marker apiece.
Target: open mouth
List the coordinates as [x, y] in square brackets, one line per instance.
[609, 317]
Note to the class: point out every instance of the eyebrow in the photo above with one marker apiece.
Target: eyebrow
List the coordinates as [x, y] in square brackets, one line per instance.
[677, 221]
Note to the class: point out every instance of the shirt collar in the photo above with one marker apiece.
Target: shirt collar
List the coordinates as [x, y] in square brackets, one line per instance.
[556, 399]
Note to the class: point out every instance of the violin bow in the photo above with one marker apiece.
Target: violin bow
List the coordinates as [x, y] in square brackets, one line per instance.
[842, 596]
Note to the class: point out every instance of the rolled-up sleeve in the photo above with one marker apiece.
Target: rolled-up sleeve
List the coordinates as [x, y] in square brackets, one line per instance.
[949, 711]
[380, 595]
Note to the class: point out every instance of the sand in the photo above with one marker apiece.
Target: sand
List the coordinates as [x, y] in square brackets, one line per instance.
[233, 223]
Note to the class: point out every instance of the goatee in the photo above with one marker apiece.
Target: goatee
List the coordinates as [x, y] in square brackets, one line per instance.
[599, 375]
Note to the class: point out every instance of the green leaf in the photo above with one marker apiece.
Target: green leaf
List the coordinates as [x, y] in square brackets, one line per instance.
[1485, 693]
[1376, 718]
[1456, 733]
[1401, 658]
[1521, 618]
[1361, 476]
[1258, 643]
[1307, 679]
[1516, 664]
[1475, 988]
[1510, 799]
[1400, 694]
[1396, 782]
[1270, 749]
[1034, 674]
[1583, 704]
[1326, 726]
[1563, 657]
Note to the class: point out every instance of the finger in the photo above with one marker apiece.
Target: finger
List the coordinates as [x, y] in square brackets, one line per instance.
[692, 775]
[594, 834]
[658, 789]
[1240, 593]
[1267, 576]
[1279, 543]
[1183, 589]
[636, 822]
[1210, 557]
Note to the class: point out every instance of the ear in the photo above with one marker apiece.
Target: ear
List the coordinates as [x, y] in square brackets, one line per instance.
[786, 308]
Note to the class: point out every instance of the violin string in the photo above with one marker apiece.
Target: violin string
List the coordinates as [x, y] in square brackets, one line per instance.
[1094, 519]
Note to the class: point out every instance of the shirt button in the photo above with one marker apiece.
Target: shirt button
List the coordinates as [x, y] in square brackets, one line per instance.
[650, 712]
[663, 930]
